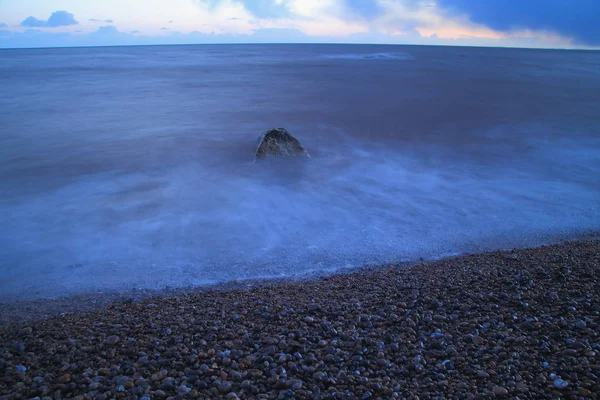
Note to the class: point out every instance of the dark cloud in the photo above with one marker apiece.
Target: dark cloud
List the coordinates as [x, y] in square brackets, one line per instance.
[108, 21]
[3, 25]
[577, 19]
[58, 18]
[164, 29]
[94, 20]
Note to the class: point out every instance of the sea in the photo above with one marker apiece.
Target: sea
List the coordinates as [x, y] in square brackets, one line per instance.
[128, 168]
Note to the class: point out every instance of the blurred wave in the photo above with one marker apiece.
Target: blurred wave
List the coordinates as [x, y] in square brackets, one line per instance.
[125, 168]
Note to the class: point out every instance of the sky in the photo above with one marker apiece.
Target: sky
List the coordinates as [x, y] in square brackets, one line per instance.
[506, 23]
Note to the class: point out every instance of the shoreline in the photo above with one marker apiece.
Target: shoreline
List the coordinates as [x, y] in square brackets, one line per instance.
[20, 312]
[501, 324]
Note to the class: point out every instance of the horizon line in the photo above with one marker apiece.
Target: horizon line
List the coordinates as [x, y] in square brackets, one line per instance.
[302, 43]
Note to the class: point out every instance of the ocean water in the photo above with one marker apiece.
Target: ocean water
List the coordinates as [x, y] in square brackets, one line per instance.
[132, 167]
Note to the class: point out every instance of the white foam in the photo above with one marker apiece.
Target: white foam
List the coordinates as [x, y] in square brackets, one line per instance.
[371, 56]
[350, 204]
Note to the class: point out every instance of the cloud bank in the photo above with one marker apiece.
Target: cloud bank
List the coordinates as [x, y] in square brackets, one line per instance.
[58, 18]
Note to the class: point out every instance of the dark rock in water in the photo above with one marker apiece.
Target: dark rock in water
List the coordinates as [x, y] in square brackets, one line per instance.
[279, 142]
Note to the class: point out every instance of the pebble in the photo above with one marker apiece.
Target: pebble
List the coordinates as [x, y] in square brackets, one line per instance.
[570, 353]
[560, 383]
[456, 328]
[26, 331]
[584, 392]
[225, 387]
[112, 340]
[580, 324]
[500, 391]
[183, 390]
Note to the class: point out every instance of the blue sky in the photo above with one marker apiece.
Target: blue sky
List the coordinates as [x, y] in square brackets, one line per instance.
[519, 23]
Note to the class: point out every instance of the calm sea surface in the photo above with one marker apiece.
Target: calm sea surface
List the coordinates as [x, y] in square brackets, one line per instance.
[132, 167]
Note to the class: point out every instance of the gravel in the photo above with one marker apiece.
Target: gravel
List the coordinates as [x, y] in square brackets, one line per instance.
[514, 324]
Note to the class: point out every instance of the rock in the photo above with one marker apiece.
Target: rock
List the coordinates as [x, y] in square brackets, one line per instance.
[66, 378]
[21, 368]
[279, 142]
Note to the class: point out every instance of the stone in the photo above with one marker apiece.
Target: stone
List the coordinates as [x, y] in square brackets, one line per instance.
[26, 331]
[357, 343]
[512, 256]
[183, 390]
[112, 340]
[279, 142]
[570, 353]
[225, 387]
[560, 383]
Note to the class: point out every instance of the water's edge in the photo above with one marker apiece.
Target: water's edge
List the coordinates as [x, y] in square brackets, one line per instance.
[21, 312]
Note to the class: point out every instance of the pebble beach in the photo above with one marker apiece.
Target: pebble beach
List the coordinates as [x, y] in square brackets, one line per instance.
[508, 324]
